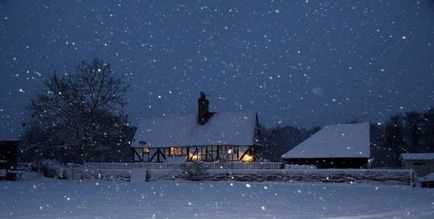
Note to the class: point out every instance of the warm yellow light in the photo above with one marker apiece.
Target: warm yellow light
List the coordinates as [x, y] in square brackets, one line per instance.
[195, 157]
[247, 158]
[175, 151]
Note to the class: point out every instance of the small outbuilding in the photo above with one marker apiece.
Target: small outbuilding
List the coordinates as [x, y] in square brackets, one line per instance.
[8, 159]
[421, 163]
[334, 146]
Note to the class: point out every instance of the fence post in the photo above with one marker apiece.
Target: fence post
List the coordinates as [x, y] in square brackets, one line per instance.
[412, 181]
[72, 171]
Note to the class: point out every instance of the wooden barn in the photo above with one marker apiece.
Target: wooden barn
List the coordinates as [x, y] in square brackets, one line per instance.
[207, 136]
[8, 159]
[335, 146]
[421, 163]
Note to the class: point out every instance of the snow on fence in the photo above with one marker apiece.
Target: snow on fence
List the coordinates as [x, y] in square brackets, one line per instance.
[372, 176]
[160, 171]
[250, 172]
[265, 165]
[75, 171]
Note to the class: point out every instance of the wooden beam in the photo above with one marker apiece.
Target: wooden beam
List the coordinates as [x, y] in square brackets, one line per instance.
[218, 152]
[138, 155]
[246, 152]
[188, 154]
[158, 153]
[206, 153]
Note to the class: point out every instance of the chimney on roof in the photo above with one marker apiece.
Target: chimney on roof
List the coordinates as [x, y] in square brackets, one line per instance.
[203, 114]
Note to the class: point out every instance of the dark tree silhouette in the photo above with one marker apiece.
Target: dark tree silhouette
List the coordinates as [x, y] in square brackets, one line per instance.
[428, 131]
[413, 121]
[279, 140]
[78, 116]
[379, 153]
[394, 141]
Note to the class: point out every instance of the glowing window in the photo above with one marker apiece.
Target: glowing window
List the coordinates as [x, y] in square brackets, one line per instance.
[146, 150]
[175, 151]
[248, 158]
[195, 157]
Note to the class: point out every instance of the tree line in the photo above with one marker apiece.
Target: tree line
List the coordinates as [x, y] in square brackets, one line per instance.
[411, 132]
[279, 140]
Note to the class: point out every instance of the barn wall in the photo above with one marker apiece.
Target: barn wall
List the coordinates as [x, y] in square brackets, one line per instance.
[421, 167]
[331, 162]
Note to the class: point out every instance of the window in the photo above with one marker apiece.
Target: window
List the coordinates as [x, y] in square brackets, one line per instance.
[146, 150]
[175, 151]
[418, 164]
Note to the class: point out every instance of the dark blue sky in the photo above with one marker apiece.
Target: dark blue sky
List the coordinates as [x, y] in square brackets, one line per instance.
[294, 62]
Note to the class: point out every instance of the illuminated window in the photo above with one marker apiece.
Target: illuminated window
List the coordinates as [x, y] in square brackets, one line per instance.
[175, 151]
[247, 158]
[195, 157]
[146, 150]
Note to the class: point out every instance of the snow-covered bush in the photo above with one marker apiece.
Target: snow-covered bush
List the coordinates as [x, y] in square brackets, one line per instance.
[106, 175]
[52, 168]
[194, 171]
[297, 166]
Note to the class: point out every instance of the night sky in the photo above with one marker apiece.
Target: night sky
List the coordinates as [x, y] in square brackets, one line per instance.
[294, 62]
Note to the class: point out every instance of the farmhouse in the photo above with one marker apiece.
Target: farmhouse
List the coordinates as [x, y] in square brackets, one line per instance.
[207, 136]
[335, 146]
[421, 163]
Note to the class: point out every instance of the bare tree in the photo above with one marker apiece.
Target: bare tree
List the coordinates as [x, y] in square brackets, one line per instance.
[76, 114]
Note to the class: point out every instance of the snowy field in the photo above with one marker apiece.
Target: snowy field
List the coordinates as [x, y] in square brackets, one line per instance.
[36, 197]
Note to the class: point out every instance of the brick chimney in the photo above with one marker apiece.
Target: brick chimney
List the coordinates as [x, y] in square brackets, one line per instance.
[203, 114]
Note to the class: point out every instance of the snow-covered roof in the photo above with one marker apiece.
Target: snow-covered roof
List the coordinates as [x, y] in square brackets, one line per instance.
[222, 129]
[335, 141]
[429, 177]
[417, 156]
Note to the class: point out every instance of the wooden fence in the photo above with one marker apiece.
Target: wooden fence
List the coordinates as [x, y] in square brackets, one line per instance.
[268, 171]
[265, 165]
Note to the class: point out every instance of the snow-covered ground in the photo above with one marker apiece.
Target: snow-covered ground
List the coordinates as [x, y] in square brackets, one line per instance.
[36, 197]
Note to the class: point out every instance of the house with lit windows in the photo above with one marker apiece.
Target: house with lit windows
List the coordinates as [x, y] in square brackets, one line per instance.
[207, 136]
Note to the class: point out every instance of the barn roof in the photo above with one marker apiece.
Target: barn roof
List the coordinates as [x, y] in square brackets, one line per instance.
[335, 141]
[417, 156]
[222, 129]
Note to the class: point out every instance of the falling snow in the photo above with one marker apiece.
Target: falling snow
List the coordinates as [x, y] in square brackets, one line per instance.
[301, 63]
[299, 54]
